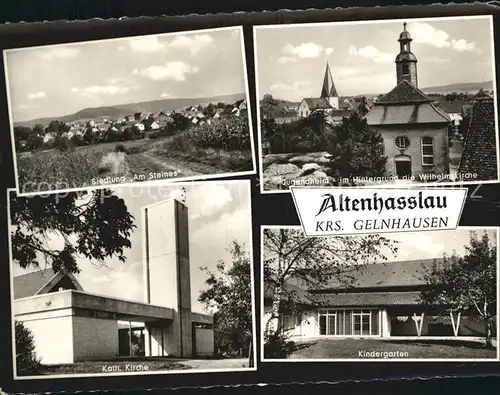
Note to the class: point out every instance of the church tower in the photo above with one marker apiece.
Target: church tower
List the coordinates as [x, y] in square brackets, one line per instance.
[406, 61]
[328, 91]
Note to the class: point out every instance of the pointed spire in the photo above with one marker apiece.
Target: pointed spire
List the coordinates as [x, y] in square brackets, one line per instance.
[328, 89]
[404, 26]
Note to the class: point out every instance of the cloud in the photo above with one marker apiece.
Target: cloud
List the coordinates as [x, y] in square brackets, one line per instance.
[304, 50]
[36, 95]
[287, 59]
[307, 50]
[220, 198]
[193, 44]
[145, 44]
[96, 90]
[423, 33]
[174, 70]
[296, 85]
[61, 53]
[27, 106]
[165, 95]
[371, 53]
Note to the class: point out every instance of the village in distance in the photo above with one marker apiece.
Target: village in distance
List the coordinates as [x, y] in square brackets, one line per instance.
[146, 121]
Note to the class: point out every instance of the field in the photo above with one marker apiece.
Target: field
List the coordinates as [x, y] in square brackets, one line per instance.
[203, 150]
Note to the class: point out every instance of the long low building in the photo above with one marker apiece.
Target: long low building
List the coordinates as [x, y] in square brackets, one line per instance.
[382, 300]
[71, 325]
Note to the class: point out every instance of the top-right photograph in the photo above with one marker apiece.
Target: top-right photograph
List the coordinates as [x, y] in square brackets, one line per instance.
[384, 102]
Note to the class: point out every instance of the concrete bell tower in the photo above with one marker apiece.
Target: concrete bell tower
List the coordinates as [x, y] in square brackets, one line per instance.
[406, 61]
[166, 271]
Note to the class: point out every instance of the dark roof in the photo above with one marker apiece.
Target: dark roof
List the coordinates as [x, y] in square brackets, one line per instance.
[342, 112]
[451, 107]
[388, 274]
[31, 284]
[317, 103]
[404, 93]
[328, 89]
[406, 114]
[366, 281]
[360, 299]
[479, 154]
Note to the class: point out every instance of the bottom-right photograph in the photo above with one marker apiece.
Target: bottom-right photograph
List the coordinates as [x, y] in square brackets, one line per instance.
[407, 296]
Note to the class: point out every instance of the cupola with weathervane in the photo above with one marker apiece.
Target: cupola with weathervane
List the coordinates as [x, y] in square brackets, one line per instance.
[406, 61]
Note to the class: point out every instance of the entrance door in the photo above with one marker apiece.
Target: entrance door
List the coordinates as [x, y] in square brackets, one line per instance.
[331, 327]
[403, 166]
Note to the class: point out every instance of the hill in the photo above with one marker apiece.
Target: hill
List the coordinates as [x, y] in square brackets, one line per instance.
[131, 108]
[463, 87]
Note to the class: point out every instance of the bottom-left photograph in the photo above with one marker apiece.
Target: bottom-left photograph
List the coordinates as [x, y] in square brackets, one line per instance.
[132, 280]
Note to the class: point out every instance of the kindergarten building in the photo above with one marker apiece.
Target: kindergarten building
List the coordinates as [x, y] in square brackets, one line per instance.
[71, 325]
[383, 301]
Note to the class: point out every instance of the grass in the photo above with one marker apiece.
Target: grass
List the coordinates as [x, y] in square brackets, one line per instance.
[415, 349]
[54, 170]
[180, 147]
[121, 366]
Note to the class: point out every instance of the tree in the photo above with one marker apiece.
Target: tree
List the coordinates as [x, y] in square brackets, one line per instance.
[357, 150]
[34, 142]
[228, 292]
[94, 225]
[209, 110]
[289, 254]
[267, 105]
[180, 121]
[57, 128]
[466, 284]
[27, 362]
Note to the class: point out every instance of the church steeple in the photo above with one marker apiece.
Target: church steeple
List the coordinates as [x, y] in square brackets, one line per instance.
[328, 91]
[406, 61]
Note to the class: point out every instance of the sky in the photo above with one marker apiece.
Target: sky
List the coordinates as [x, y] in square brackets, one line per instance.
[213, 224]
[291, 60]
[432, 244]
[62, 79]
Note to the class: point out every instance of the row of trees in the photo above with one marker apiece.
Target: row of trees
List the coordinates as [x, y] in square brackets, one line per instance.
[32, 139]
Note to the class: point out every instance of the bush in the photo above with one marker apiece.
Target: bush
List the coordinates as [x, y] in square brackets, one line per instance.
[27, 363]
[230, 134]
[120, 148]
[277, 345]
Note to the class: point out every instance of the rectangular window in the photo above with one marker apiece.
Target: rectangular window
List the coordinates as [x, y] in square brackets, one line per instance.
[344, 322]
[405, 69]
[427, 144]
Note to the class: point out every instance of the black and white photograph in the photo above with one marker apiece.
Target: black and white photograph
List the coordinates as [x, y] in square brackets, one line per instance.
[384, 102]
[132, 280]
[422, 296]
[119, 111]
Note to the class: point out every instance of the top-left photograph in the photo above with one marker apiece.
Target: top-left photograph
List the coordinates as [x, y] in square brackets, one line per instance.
[165, 107]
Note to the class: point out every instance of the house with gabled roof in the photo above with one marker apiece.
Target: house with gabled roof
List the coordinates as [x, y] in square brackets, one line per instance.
[380, 300]
[327, 101]
[414, 129]
[480, 155]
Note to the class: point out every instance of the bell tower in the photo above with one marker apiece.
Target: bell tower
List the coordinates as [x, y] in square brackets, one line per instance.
[328, 90]
[406, 61]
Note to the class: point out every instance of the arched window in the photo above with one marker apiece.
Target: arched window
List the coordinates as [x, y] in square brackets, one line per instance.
[427, 151]
[402, 142]
[405, 69]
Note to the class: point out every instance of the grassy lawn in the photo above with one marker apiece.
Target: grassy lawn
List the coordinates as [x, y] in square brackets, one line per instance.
[413, 349]
[120, 366]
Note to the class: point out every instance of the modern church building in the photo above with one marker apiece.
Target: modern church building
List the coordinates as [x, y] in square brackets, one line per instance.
[71, 325]
[383, 300]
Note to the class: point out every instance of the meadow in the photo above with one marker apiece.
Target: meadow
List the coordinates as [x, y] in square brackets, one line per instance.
[223, 147]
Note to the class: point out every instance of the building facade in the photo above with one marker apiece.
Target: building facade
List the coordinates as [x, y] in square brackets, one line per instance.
[414, 129]
[71, 325]
[384, 301]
